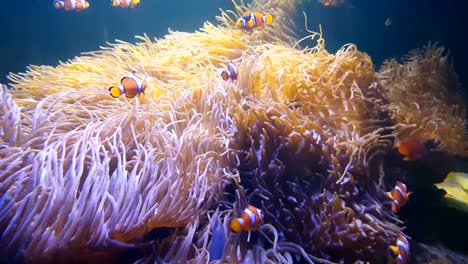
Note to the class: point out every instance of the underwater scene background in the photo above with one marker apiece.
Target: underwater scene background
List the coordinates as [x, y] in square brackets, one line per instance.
[338, 136]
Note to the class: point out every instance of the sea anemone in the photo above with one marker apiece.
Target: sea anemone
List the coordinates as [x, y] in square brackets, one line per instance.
[301, 135]
[425, 99]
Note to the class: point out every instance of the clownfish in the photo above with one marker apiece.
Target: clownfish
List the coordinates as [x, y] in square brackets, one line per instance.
[331, 2]
[411, 148]
[132, 85]
[125, 3]
[251, 20]
[76, 5]
[250, 220]
[400, 196]
[401, 250]
[230, 73]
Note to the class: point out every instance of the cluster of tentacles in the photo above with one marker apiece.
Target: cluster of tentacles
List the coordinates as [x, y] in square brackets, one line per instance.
[302, 134]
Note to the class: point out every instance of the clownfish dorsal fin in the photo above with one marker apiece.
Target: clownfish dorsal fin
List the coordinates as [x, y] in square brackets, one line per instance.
[389, 194]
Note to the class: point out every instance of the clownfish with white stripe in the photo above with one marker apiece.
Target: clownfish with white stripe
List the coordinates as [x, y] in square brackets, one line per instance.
[401, 250]
[251, 20]
[125, 3]
[400, 196]
[331, 2]
[230, 73]
[132, 85]
[68, 5]
[250, 220]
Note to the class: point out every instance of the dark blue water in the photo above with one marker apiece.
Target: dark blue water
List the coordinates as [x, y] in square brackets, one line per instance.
[415, 23]
[34, 32]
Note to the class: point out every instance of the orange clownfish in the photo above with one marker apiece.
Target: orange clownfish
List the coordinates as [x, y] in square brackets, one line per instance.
[411, 148]
[331, 2]
[230, 73]
[125, 3]
[76, 5]
[400, 196]
[401, 250]
[251, 20]
[250, 220]
[132, 85]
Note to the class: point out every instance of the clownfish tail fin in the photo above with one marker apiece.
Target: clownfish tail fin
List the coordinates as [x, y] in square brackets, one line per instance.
[115, 91]
[268, 19]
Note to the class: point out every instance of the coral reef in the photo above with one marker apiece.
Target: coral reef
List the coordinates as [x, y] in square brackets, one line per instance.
[301, 134]
[304, 145]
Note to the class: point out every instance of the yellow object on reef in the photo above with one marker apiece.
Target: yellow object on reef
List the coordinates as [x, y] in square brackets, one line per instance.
[456, 186]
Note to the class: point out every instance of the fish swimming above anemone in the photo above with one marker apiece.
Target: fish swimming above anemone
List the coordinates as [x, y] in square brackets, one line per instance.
[131, 86]
[125, 3]
[71, 5]
[400, 196]
[250, 20]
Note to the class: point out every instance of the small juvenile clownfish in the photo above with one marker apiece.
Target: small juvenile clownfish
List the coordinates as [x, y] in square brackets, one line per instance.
[125, 3]
[401, 250]
[412, 148]
[251, 20]
[76, 5]
[331, 2]
[400, 196]
[250, 220]
[230, 73]
[132, 85]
